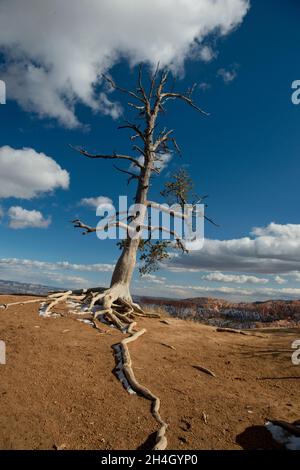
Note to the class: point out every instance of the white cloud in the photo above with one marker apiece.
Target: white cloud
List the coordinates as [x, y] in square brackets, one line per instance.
[22, 218]
[235, 279]
[65, 280]
[1, 213]
[206, 54]
[295, 276]
[161, 162]
[58, 265]
[274, 249]
[153, 279]
[211, 290]
[234, 294]
[290, 231]
[95, 202]
[273, 293]
[60, 273]
[164, 160]
[181, 291]
[56, 51]
[228, 75]
[30, 271]
[279, 280]
[25, 173]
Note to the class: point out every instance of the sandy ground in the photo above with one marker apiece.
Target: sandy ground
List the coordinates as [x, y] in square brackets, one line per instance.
[58, 389]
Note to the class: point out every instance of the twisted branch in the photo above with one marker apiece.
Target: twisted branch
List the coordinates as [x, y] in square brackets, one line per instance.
[173, 96]
[108, 157]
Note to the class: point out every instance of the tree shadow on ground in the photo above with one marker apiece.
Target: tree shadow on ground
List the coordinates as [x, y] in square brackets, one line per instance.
[149, 442]
[257, 438]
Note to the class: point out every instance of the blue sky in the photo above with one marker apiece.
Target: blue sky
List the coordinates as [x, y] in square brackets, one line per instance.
[245, 155]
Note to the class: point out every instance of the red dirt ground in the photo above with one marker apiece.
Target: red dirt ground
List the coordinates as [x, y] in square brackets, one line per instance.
[58, 390]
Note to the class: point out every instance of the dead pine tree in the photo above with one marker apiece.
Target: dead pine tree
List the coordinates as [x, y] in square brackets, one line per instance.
[115, 304]
[151, 144]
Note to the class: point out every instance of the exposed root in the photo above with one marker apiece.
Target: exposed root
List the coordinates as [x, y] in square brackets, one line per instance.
[64, 296]
[147, 315]
[95, 298]
[119, 310]
[161, 440]
[5, 306]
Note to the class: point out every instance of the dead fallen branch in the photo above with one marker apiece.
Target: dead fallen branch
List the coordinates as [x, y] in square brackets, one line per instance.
[231, 330]
[205, 370]
[239, 332]
[168, 346]
[5, 306]
[205, 417]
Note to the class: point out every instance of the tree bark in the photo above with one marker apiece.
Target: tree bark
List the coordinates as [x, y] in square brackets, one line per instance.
[126, 263]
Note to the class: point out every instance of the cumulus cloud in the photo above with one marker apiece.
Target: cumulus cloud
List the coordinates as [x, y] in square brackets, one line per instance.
[206, 54]
[95, 202]
[236, 294]
[25, 173]
[234, 278]
[65, 280]
[22, 218]
[279, 280]
[181, 291]
[274, 249]
[153, 279]
[37, 272]
[59, 273]
[290, 231]
[211, 290]
[58, 265]
[163, 159]
[56, 51]
[294, 276]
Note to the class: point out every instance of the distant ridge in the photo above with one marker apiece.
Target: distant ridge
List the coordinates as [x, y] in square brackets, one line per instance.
[209, 310]
[13, 287]
[220, 312]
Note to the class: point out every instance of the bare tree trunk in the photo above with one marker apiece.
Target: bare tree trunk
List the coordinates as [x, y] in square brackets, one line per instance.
[125, 265]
